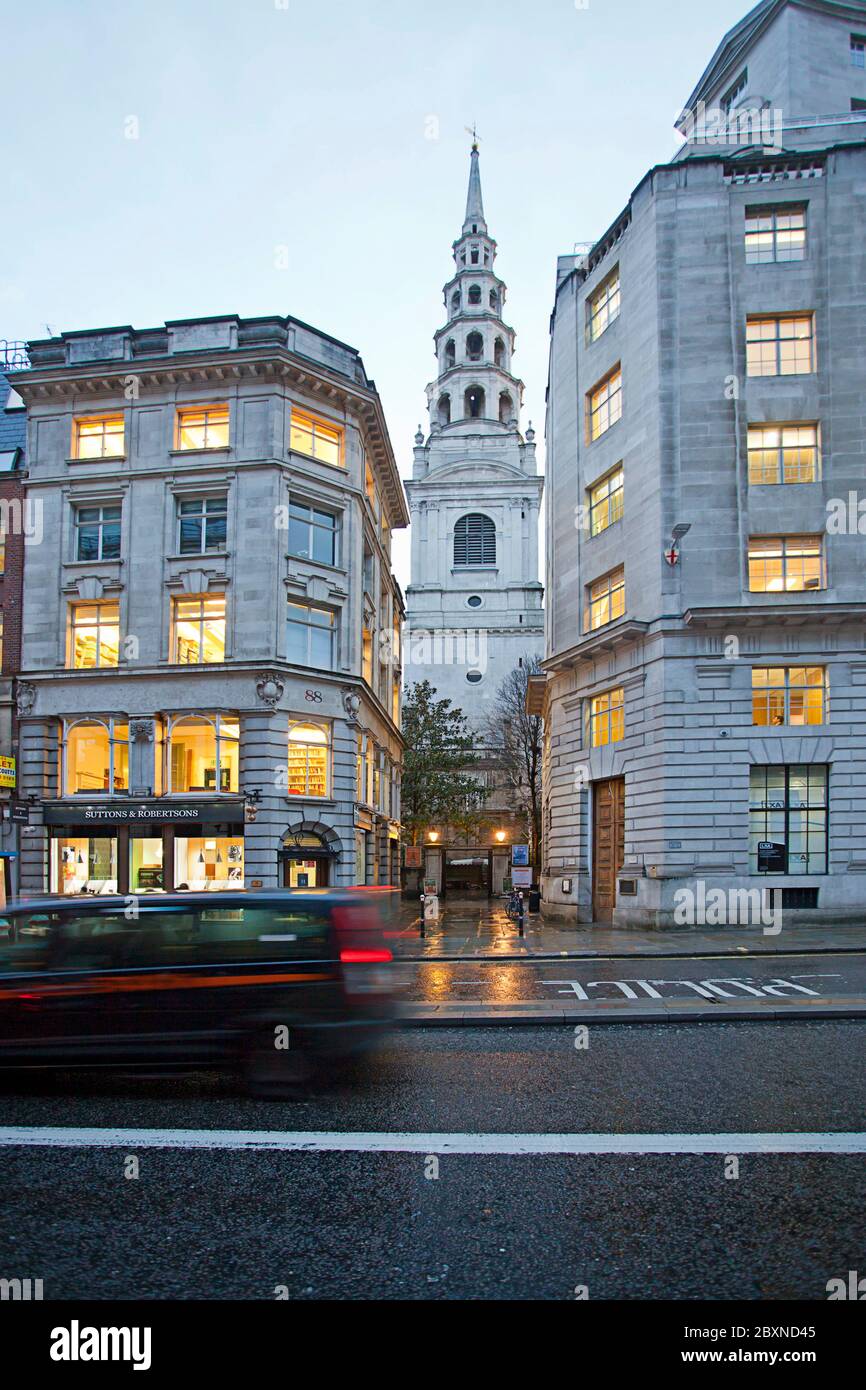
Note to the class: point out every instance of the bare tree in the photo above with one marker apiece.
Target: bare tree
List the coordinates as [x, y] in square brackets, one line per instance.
[516, 737]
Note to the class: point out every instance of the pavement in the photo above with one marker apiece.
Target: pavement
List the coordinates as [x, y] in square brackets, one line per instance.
[471, 929]
[458, 1164]
[473, 968]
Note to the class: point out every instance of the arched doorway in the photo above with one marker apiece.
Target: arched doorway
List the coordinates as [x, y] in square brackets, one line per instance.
[309, 852]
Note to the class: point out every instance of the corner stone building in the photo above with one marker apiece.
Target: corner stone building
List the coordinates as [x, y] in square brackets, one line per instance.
[706, 719]
[209, 691]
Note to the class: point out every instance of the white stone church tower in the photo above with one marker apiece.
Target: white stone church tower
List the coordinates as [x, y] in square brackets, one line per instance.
[474, 601]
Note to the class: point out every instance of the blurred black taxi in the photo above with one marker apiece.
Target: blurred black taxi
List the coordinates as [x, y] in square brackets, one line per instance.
[282, 983]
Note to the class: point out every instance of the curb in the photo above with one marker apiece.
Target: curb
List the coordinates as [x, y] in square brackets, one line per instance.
[611, 1011]
[737, 952]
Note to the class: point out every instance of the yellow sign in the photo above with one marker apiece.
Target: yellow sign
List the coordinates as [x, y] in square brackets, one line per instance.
[7, 772]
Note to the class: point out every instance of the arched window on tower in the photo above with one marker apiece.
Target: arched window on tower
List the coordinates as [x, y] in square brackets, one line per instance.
[506, 408]
[455, 302]
[443, 410]
[499, 352]
[494, 301]
[474, 255]
[450, 353]
[473, 403]
[474, 347]
[474, 294]
[474, 541]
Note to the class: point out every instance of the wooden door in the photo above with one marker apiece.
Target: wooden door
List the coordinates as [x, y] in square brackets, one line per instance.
[608, 840]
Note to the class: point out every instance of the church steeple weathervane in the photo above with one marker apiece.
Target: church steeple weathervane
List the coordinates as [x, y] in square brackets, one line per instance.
[475, 390]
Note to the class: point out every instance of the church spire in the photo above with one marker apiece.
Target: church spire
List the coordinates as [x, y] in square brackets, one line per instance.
[474, 220]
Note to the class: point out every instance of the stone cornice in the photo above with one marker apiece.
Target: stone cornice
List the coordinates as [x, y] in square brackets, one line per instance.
[606, 639]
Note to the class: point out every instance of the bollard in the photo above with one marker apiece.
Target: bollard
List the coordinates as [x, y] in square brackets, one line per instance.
[520, 917]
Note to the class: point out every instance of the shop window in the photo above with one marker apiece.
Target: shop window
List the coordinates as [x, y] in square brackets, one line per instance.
[146, 868]
[97, 533]
[316, 438]
[94, 635]
[199, 630]
[209, 863]
[203, 754]
[202, 523]
[310, 634]
[312, 534]
[309, 752]
[98, 437]
[203, 427]
[95, 757]
[84, 864]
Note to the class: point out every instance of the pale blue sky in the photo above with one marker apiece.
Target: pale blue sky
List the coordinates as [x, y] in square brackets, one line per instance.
[298, 123]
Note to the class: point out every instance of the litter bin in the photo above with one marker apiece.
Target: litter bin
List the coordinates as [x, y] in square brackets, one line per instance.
[534, 900]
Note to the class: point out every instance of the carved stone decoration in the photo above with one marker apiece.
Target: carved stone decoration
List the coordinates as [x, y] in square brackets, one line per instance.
[352, 705]
[25, 698]
[141, 731]
[269, 688]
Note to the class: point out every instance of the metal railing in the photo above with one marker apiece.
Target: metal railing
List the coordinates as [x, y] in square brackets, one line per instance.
[13, 355]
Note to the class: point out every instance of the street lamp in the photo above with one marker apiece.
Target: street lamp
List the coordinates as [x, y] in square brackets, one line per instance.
[500, 835]
[433, 835]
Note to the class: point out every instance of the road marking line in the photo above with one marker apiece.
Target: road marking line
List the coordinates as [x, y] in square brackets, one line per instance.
[349, 1142]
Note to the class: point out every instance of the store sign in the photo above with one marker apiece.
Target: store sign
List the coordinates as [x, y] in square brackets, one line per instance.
[413, 856]
[521, 878]
[520, 854]
[19, 811]
[157, 813]
[7, 771]
[771, 858]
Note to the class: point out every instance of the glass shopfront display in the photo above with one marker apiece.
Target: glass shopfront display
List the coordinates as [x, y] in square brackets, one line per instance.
[146, 867]
[84, 864]
[146, 846]
[208, 863]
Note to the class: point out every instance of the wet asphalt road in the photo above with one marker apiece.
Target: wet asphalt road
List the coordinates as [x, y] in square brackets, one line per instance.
[238, 1225]
[718, 978]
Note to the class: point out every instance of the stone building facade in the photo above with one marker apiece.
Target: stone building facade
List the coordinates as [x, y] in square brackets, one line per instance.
[210, 671]
[705, 678]
[474, 604]
[13, 537]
